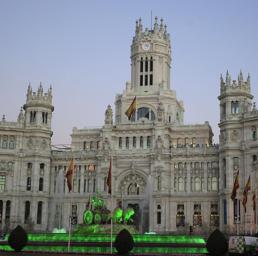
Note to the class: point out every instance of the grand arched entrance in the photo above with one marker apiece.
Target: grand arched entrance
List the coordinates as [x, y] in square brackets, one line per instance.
[132, 189]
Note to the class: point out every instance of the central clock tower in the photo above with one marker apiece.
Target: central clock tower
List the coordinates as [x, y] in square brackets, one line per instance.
[150, 79]
[150, 58]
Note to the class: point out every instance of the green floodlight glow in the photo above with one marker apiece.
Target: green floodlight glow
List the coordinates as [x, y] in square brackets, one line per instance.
[128, 214]
[86, 249]
[118, 215]
[138, 238]
[59, 230]
[88, 217]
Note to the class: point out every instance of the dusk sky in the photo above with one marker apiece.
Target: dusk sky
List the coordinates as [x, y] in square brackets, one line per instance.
[82, 48]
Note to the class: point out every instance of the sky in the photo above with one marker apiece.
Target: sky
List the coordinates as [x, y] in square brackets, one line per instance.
[82, 48]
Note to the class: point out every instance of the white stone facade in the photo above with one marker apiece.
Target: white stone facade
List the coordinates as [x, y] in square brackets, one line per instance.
[171, 173]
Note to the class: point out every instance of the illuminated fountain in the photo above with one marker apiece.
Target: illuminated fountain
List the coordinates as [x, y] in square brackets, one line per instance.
[57, 205]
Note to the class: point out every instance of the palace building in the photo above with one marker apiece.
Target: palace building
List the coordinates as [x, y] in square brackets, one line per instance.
[172, 174]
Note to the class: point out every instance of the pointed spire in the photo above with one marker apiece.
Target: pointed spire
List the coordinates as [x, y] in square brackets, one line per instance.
[140, 25]
[161, 28]
[21, 115]
[156, 24]
[240, 78]
[40, 89]
[136, 27]
[221, 80]
[248, 79]
[228, 79]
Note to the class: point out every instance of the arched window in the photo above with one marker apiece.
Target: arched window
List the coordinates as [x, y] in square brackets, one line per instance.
[197, 184]
[146, 64]
[39, 212]
[41, 184]
[27, 212]
[28, 186]
[145, 113]
[12, 142]
[127, 142]
[214, 183]
[234, 107]
[181, 185]
[133, 189]
[5, 142]
[180, 216]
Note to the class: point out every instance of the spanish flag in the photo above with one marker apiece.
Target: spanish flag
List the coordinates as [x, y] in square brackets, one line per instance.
[109, 178]
[132, 108]
[245, 193]
[69, 175]
[235, 187]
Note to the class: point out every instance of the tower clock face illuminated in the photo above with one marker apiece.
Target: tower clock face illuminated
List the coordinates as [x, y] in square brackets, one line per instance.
[145, 46]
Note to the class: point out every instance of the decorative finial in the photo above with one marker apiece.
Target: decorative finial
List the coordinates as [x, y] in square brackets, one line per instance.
[249, 79]
[254, 106]
[161, 28]
[156, 24]
[221, 79]
[240, 77]
[228, 78]
[3, 118]
[140, 24]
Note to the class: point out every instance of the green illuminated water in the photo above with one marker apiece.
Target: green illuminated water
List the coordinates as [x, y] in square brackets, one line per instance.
[60, 237]
[107, 249]
[106, 238]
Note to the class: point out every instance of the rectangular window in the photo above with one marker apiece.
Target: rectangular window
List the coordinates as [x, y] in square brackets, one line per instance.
[2, 183]
[141, 80]
[146, 80]
[79, 185]
[28, 186]
[120, 142]
[151, 79]
[88, 185]
[146, 65]
[151, 64]
[134, 142]
[141, 142]
[214, 217]
[235, 163]
[180, 216]
[148, 141]
[141, 66]
[127, 142]
[225, 211]
[84, 185]
[39, 213]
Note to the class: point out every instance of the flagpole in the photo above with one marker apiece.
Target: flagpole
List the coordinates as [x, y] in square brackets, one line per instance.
[69, 177]
[70, 225]
[111, 230]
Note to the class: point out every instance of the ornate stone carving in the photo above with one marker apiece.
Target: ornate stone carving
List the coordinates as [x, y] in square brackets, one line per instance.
[132, 184]
[109, 115]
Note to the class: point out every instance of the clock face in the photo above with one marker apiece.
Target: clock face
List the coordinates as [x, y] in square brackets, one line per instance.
[146, 46]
